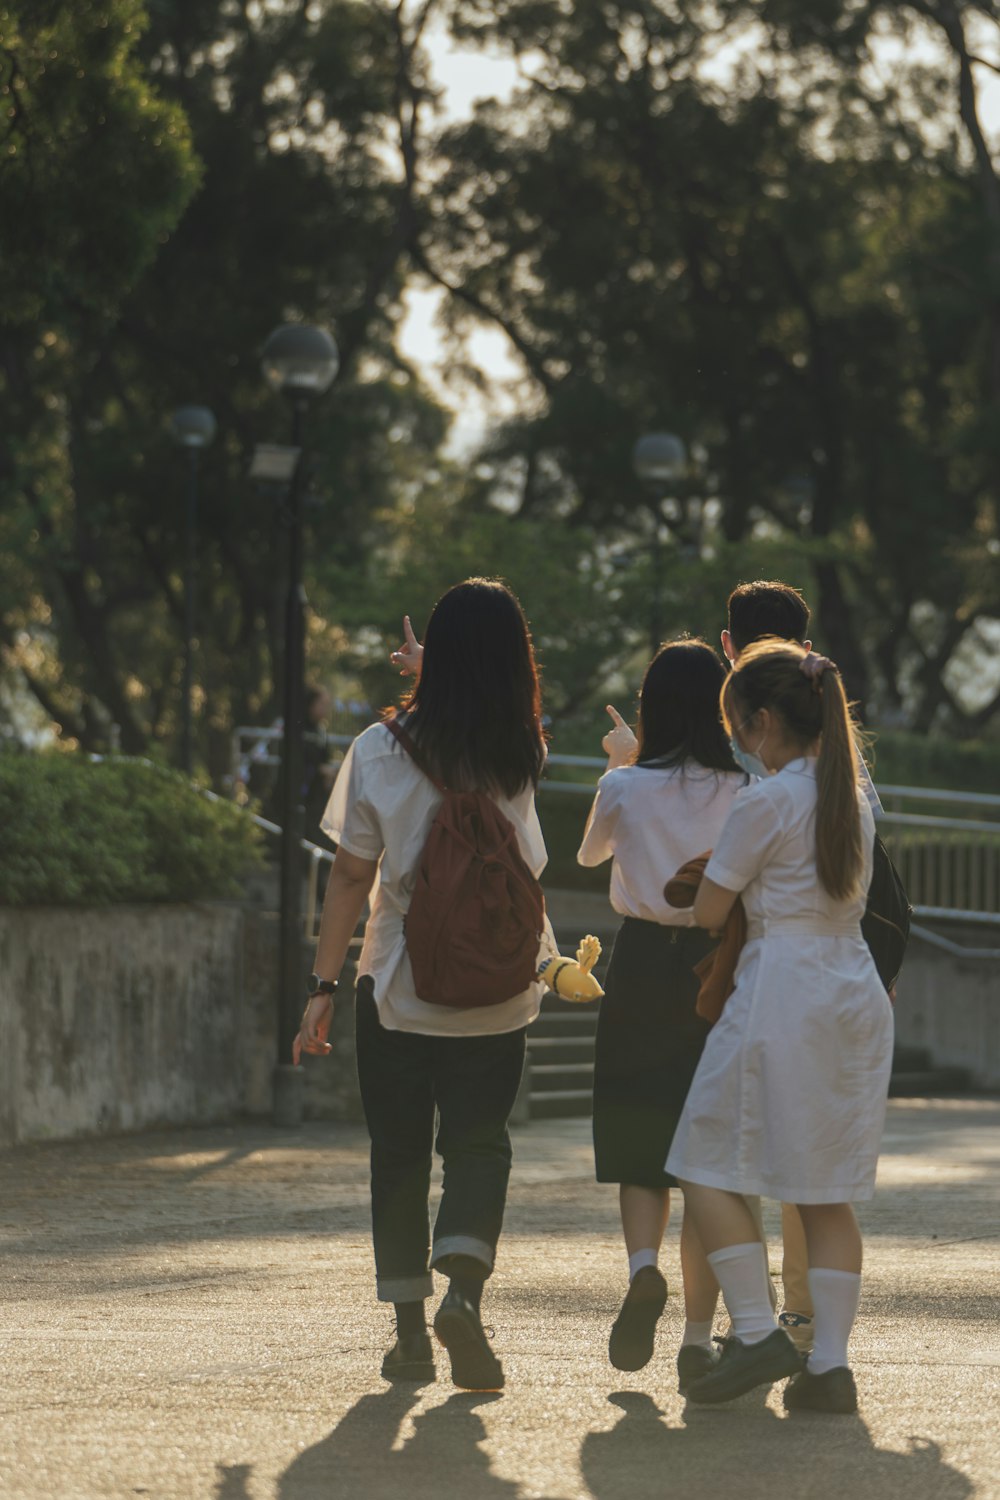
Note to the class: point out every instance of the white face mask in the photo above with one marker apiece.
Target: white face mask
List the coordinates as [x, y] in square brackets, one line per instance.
[748, 760]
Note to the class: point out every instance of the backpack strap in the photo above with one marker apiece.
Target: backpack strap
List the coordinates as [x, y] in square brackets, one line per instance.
[399, 733]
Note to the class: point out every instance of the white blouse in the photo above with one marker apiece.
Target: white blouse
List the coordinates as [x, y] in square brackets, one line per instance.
[650, 820]
[382, 808]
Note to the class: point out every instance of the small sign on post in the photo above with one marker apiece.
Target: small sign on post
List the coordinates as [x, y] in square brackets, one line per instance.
[274, 461]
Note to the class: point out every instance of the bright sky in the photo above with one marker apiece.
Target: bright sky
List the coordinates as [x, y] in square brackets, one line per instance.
[466, 76]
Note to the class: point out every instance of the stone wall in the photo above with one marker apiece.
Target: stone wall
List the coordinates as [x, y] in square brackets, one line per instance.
[951, 1007]
[131, 1017]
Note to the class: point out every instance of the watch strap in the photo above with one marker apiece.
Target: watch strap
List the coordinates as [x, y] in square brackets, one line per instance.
[319, 986]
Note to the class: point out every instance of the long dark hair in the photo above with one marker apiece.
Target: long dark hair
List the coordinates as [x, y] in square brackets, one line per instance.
[475, 712]
[679, 708]
[767, 676]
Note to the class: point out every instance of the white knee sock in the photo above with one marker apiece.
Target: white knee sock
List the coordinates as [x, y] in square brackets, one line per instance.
[835, 1297]
[697, 1333]
[741, 1271]
[641, 1258]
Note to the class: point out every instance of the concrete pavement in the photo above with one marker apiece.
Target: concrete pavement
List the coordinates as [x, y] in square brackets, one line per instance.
[191, 1315]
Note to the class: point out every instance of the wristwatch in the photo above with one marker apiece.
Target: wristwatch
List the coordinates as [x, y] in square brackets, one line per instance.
[317, 986]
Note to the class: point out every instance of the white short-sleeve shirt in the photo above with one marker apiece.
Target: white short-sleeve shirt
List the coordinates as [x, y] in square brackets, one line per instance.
[756, 849]
[381, 808]
[649, 820]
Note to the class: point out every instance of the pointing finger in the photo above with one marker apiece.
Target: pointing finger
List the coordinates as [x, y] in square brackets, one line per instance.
[616, 716]
[411, 639]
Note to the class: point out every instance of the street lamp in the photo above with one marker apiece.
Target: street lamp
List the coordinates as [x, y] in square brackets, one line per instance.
[193, 428]
[657, 458]
[301, 362]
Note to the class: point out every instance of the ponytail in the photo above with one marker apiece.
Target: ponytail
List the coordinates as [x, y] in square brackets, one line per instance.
[839, 855]
[806, 693]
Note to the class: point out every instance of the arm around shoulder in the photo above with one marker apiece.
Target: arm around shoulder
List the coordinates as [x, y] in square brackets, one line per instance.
[712, 904]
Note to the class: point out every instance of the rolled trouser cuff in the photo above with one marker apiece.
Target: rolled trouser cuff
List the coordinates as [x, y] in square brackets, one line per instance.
[404, 1288]
[463, 1244]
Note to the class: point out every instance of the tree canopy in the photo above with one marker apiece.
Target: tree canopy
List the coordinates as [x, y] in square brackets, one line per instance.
[716, 219]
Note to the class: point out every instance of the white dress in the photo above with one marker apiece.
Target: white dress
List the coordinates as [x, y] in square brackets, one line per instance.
[789, 1097]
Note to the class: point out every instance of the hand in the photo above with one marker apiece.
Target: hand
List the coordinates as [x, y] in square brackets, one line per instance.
[315, 1029]
[619, 744]
[410, 657]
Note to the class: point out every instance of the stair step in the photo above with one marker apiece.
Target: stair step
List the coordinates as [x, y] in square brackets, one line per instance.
[560, 1049]
[925, 1083]
[555, 1005]
[567, 1104]
[561, 1078]
[907, 1059]
[564, 1026]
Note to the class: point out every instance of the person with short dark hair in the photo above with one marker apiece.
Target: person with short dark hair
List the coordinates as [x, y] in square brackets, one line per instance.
[764, 607]
[474, 717]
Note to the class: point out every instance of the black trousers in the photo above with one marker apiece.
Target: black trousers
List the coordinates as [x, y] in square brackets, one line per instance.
[471, 1082]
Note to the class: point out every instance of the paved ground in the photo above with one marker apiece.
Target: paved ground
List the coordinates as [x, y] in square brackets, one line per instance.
[191, 1315]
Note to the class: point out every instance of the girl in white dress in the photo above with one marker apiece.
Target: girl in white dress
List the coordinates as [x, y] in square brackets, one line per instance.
[789, 1097]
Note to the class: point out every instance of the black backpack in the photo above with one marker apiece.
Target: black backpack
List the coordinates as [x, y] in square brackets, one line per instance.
[885, 925]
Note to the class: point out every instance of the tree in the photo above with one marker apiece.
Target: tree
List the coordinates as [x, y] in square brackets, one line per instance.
[756, 265]
[299, 214]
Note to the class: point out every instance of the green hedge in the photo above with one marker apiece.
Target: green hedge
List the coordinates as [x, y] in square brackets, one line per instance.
[904, 759]
[80, 833]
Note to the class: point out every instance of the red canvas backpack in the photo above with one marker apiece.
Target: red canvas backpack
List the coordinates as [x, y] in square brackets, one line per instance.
[477, 913]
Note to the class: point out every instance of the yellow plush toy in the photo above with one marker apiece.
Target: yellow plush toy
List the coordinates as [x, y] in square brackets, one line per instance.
[571, 978]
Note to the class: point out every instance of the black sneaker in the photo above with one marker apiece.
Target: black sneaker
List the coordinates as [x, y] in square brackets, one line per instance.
[834, 1391]
[410, 1358]
[693, 1361]
[631, 1343]
[474, 1366]
[742, 1366]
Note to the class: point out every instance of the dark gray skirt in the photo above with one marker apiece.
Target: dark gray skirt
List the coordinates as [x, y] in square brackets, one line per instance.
[649, 1040]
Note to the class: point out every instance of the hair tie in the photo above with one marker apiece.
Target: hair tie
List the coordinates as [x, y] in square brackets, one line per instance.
[813, 666]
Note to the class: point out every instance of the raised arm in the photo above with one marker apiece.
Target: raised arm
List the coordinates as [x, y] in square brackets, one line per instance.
[410, 656]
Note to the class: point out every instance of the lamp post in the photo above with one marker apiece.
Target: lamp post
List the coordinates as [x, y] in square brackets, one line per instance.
[193, 428]
[657, 458]
[301, 362]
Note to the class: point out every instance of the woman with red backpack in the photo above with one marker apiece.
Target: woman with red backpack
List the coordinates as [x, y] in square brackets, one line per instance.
[459, 766]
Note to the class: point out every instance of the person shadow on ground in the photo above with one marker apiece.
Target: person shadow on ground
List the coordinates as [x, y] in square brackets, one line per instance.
[370, 1454]
[747, 1448]
[232, 1481]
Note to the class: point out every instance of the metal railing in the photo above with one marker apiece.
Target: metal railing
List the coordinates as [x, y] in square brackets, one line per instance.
[950, 865]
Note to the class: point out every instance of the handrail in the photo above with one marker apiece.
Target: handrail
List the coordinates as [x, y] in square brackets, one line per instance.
[928, 820]
[953, 914]
[599, 763]
[956, 950]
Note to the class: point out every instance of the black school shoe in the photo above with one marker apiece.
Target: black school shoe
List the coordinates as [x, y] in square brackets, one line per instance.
[474, 1366]
[834, 1391]
[631, 1343]
[742, 1366]
[693, 1361]
[410, 1358]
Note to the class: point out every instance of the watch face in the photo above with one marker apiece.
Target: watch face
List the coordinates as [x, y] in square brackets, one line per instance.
[313, 984]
